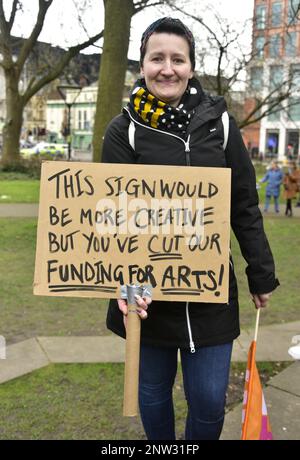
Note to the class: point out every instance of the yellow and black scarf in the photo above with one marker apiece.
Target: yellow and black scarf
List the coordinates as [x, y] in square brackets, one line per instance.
[159, 114]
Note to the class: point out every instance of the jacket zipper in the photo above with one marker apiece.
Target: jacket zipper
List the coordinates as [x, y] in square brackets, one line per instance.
[188, 162]
[187, 151]
[186, 144]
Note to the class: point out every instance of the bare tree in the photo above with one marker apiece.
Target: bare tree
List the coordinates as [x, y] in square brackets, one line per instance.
[222, 44]
[118, 15]
[13, 68]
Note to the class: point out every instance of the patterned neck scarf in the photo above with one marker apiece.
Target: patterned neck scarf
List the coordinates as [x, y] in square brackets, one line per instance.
[159, 114]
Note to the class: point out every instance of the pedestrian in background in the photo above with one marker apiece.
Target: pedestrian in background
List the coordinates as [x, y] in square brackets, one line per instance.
[273, 177]
[290, 191]
[295, 172]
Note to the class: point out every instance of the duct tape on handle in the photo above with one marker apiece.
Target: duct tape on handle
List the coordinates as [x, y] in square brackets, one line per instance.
[130, 290]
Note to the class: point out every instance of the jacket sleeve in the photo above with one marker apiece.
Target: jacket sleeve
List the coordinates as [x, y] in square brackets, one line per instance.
[265, 178]
[116, 147]
[246, 218]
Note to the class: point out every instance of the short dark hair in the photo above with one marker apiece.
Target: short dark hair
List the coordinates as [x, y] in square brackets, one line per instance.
[171, 26]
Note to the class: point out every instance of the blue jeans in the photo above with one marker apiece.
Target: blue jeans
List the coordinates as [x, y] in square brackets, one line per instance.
[276, 202]
[205, 377]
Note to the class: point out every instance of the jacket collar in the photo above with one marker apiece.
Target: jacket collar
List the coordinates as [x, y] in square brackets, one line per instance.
[210, 108]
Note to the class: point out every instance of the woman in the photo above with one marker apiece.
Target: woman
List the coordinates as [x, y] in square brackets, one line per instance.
[290, 184]
[295, 171]
[273, 177]
[176, 123]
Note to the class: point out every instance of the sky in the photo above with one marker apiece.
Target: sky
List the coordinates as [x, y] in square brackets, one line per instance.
[235, 11]
[63, 28]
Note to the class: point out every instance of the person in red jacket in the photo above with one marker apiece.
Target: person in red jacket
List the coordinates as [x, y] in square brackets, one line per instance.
[171, 121]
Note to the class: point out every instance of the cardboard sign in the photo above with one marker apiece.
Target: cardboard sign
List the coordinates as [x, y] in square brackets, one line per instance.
[105, 225]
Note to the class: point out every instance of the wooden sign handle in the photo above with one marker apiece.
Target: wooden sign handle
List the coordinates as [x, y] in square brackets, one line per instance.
[132, 361]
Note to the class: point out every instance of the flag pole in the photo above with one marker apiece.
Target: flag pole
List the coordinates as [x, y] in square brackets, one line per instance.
[257, 323]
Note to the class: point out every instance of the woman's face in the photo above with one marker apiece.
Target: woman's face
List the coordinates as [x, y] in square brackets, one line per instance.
[167, 67]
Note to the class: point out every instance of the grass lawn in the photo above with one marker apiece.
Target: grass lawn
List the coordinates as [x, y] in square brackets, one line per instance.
[284, 238]
[76, 401]
[23, 315]
[18, 188]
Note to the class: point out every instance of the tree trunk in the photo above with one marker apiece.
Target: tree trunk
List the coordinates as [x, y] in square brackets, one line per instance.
[13, 123]
[14, 56]
[118, 14]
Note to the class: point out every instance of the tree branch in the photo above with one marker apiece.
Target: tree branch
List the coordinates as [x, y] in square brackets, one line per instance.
[13, 14]
[3, 23]
[31, 41]
[62, 63]
[5, 50]
[273, 103]
[219, 72]
[146, 4]
[192, 16]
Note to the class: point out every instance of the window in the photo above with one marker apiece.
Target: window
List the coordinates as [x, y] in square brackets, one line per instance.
[295, 77]
[272, 142]
[274, 47]
[256, 78]
[276, 77]
[290, 44]
[276, 14]
[294, 109]
[276, 111]
[259, 46]
[292, 143]
[292, 11]
[261, 17]
[85, 122]
[79, 119]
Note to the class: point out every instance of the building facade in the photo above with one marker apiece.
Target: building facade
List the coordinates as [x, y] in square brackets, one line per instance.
[274, 74]
[82, 114]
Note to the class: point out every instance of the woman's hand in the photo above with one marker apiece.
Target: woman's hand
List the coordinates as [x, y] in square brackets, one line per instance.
[261, 300]
[141, 309]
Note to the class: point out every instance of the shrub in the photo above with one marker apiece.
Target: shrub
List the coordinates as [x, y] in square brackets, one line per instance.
[31, 166]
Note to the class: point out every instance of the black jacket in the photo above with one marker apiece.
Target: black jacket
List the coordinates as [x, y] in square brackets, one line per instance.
[181, 324]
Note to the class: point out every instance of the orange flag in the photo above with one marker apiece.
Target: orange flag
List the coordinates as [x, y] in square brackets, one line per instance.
[255, 420]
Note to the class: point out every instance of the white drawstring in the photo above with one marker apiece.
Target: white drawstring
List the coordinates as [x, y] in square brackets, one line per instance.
[192, 345]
